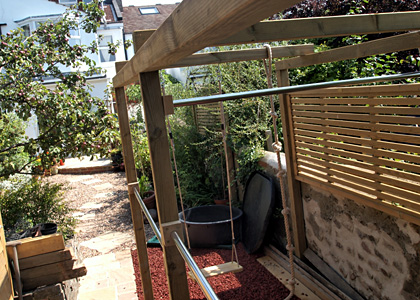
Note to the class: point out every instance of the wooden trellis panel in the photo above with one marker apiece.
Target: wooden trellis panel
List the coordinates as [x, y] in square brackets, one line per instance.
[365, 148]
[207, 117]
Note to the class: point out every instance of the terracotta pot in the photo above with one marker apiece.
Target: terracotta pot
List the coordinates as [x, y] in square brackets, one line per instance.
[149, 199]
[220, 201]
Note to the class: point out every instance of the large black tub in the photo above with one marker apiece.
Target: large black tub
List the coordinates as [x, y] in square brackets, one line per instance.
[209, 226]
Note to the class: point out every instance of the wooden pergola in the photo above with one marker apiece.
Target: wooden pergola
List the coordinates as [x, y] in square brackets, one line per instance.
[195, 25]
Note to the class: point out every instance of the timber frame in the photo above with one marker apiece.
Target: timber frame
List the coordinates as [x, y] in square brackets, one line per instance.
[195, 25]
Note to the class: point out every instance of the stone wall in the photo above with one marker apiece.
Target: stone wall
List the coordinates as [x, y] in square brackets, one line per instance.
[377, 254]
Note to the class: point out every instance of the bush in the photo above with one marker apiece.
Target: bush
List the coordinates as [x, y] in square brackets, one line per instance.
[25, 203]
[12, 131]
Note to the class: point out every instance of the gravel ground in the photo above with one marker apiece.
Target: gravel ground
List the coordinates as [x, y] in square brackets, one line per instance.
[113, 215]
[254, 282]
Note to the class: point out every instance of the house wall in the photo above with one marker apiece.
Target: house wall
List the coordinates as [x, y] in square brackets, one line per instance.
[377, 254]
[11, 11]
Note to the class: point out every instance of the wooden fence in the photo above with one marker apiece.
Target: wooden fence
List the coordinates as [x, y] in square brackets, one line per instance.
[362, 143]
[207, 117]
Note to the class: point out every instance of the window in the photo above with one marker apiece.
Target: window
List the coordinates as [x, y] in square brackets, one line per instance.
[104, 54]
[149, 10]
[75, 37]
[26, 30]
[67, 2]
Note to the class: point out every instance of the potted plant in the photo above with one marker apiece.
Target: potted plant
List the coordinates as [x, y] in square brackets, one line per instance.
[117, 158]
[146, 192]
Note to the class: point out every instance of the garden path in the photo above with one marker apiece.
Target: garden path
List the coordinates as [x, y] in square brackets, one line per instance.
[104, 236]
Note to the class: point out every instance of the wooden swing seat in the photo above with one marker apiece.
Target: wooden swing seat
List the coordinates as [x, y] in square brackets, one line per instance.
[229, 267]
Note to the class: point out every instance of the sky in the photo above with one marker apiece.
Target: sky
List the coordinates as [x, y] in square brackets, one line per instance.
[147, 2]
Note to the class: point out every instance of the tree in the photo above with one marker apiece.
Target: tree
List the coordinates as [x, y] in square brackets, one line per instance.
[71, 121]
[398, 62]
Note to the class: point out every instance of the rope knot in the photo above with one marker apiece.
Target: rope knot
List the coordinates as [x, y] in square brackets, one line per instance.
[277, 147]
[292, 282]
[285, 211]
[290, 248]
[281, 174]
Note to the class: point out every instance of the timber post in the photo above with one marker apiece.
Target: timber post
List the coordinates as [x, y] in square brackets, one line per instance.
[296, 205]
[163, 180]
[131, 175]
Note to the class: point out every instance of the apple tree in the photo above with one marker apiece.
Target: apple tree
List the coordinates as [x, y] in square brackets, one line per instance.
[71, 121]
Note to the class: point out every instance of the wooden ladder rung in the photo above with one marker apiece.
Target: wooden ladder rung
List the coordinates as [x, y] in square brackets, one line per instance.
[230, 267]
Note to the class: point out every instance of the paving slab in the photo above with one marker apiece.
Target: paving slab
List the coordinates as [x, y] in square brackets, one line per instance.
[78, 214]
[91, 205]
[103, 186]
[80, 178]
[107, 278]
[87, 217]
[106, 242]
[93, 181]
[104, 195]
[108, 293]
[100, 260]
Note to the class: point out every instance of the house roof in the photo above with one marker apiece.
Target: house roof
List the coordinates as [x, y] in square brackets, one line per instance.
[134, 20]
[110, 16]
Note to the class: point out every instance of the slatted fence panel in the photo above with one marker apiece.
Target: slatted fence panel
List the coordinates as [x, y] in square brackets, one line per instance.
[365, 148]
[207, 117]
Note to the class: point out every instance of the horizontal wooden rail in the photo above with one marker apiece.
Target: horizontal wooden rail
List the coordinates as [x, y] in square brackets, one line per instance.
[400, 42]
[242, 55]
[220, 57]
[309, 28]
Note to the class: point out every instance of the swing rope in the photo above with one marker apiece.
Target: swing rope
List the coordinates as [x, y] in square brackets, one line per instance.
[218, 269]
[223, 123]
[280, 175]
[168, 124]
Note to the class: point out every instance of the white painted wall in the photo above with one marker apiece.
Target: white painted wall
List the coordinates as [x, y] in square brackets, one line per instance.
[11, 11]
[130, 50]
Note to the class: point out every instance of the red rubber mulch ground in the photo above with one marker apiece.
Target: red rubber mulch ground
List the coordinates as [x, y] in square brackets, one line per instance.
[254, 282]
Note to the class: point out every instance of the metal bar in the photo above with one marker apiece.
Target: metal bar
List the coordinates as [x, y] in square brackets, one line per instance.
[201, 280]
[290, 89]
[148, 216]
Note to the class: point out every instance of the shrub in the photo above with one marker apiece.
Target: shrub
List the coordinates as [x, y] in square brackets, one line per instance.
[25, 203]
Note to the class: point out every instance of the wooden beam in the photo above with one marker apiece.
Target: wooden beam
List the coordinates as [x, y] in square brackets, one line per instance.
[131, 175]
[192, 26]
[317, 283]
[309, 28]
[331, 275]
[38, 245]
[47, 258]
[296, 205]
[242, 55]
[386, 45]
[237, 55]
[140, 37]
[163, 180]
